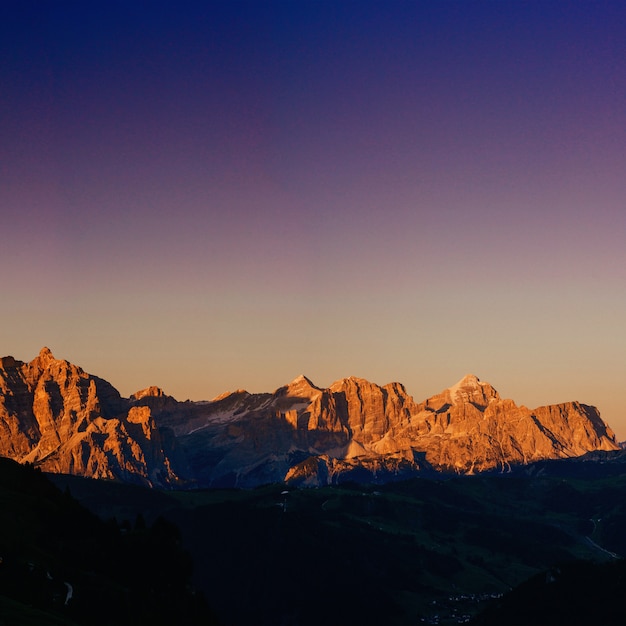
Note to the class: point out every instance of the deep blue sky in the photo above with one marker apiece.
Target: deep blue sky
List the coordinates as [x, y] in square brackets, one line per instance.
[212, 195]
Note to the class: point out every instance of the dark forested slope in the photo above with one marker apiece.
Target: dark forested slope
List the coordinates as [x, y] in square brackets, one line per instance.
[60, 564]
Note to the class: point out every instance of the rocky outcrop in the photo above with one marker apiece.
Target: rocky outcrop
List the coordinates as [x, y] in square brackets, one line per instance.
[58, 417]
[469, 428]
[356, 430]
[61, 419]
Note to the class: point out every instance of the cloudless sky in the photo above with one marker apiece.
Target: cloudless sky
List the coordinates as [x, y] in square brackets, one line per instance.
[208, 196]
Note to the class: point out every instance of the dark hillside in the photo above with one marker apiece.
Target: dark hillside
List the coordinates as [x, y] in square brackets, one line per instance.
[60, 564]
[573, 594]
[394, 554]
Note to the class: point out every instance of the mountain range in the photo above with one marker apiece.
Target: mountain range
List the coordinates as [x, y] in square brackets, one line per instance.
[56, 416]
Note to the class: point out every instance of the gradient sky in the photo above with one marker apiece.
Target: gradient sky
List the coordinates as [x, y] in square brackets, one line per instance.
[208, 196]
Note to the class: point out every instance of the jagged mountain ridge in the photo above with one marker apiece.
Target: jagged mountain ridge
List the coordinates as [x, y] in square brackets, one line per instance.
[63, 420]
[357, 429]
[56, 416]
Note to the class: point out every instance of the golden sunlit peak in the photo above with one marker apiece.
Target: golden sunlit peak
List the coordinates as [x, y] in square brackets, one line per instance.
[469, 380]
[302, 380]
[152, 391]
[45, 357]
[301, 386]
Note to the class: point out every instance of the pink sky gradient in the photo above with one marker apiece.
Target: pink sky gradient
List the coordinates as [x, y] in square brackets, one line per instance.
[218, 195]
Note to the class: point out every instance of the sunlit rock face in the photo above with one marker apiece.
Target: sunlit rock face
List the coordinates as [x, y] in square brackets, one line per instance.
[469, 428]
[55, 415]
[58, 417]
[356, 430]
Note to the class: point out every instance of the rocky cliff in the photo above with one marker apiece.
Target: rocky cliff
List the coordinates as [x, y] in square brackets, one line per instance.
[356, 430]
[55, 415]
[61, 419]
[470, 428]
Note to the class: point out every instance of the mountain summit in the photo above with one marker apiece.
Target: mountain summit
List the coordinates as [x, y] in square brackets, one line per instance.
[468, 389]
[471, 389]
[58, 417]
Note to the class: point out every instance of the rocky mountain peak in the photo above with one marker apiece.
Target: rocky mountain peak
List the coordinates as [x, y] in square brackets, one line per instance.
[45, 365]
[227, 394]
[8, 361]
[62, 419]
[148, 392]
[300, 387]
[44, 358]
[471, 389]
[470, 380]
[302, 380]
[351, 383]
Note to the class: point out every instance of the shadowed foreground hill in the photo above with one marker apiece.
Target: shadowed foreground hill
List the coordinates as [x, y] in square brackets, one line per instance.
[572, 594]
[60, 564]
[394, 554]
